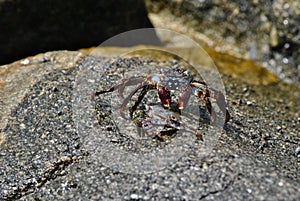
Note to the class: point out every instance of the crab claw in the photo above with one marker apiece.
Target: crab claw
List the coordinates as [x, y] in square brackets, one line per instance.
[165, 97]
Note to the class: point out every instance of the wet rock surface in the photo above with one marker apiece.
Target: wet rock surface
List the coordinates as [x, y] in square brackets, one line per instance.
[264, 31]
[44, 156]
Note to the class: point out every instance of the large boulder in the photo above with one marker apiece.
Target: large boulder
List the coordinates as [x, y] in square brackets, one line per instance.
[46, 153]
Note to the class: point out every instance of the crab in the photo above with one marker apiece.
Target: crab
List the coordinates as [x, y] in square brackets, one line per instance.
[174, 78]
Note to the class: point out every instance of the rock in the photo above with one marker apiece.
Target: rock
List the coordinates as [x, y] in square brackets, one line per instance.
[17, 77]
[265, 31]
[44, 154]
[30, 27]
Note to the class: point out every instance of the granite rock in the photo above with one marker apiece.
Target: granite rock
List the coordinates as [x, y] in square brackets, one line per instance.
[44, 155]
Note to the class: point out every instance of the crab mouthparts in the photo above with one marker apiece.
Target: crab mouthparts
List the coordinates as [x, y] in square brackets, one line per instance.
[166, 102]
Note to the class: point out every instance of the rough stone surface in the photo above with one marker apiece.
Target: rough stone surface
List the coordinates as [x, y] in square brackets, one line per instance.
[43, 156]
[18, 76]
[264, 31]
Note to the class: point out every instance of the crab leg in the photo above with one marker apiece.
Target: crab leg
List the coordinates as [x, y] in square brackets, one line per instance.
[117, 86]
[129, 82]
[183, 98]
[176, 123]
[140, 98]
[120, 86]
[127, 99]
[220, 102]
[185, 127]
[201, 90]
[207, 102]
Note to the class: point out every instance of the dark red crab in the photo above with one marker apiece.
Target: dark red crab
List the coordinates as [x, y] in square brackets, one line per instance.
[170, 79]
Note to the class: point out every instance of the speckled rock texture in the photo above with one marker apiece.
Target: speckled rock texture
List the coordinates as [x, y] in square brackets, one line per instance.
[264, 31]
[43, 155]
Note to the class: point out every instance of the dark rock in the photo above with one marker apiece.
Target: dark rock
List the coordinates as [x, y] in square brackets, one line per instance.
[30, 27]
[44, 155]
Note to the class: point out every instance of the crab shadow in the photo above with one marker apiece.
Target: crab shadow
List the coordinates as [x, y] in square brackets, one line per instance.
[235, 129]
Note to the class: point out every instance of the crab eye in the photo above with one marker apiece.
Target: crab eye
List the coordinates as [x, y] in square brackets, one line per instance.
[155, 78]
[186, 73]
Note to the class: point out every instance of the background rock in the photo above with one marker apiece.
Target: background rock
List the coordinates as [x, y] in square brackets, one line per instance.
[31, 27]
[264, 31]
